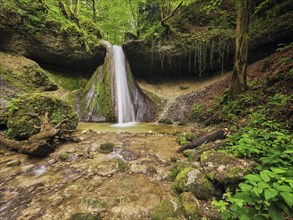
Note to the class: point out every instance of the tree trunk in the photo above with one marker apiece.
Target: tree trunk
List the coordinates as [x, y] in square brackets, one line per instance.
[94, 11]
[220, 134]
[40, 144]
[238, 83]
[62, 8]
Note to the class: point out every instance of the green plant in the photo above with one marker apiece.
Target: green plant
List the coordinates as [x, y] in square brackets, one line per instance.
[268, 192]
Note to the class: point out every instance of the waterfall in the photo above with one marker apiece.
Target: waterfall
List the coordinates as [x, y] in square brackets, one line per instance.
[112, 94]
[126, 113]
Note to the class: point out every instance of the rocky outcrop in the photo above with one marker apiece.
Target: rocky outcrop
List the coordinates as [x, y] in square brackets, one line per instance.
[20, 75]
[203, 52]
[45, 36]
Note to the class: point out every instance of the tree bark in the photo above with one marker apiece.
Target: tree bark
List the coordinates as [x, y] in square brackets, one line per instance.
[62, 8]
[163, 21]
[94, 11]
[220, 134]
[40, 144]
[238, 83]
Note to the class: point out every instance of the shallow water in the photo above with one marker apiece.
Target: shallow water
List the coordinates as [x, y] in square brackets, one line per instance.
[139, 127]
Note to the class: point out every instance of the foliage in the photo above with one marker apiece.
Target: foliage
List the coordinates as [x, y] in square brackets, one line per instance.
[268, 192]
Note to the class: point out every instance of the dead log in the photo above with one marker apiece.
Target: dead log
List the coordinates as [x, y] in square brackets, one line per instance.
[220, 134]
[40, 144]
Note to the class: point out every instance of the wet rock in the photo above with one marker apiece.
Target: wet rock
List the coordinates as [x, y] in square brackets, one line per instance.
[223, 168]
[13, 163]
[166, 209]
[107, 169]
[130, 155]
[85, 216]
[195, 181]
[190, 206]
[106, 147]
[96, 181]
[64, 157]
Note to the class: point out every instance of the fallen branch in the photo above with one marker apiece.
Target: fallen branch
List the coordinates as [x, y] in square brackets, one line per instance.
[220, 134]
[40, 144]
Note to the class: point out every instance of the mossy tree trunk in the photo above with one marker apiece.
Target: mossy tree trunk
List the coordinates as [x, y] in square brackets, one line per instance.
[239, 83]
[39, 144]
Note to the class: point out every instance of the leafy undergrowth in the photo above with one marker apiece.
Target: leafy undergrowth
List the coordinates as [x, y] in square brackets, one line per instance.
[261, 124]
[270, 89]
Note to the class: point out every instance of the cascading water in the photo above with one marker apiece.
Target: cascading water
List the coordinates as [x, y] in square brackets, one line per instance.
[126, 113]
[113, 94]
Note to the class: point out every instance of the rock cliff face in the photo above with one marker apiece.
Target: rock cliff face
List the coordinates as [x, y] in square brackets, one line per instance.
[44, 35]
[51, 48]
[201, 48]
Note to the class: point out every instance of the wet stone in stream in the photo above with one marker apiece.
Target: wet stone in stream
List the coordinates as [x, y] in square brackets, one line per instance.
[127, 183]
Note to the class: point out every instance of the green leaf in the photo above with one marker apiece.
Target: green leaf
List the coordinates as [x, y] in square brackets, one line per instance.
[288, 197]
[263, 185]
[270, 193]
[264, 176]
[278, 170]
[253, 177]
[284, 188]
[257, 191]
[245, 187]
[275, 213]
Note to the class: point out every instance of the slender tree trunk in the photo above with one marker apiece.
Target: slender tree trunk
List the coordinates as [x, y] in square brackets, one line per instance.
[94, 11]
[76, 8]
[239, 84]
[62, 8]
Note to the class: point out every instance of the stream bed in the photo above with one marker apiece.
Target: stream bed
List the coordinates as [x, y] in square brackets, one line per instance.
[127, 183]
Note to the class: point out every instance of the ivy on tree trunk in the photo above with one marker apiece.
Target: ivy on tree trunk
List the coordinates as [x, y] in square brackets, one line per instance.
[239, 84]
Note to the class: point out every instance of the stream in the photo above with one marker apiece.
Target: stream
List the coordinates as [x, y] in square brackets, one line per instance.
[127, 183]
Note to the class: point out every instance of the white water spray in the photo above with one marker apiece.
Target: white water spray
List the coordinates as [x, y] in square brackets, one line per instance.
[125, 106]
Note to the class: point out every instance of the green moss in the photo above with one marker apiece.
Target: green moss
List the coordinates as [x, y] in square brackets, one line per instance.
[177, 168]
[181, 180]
[190, 206]
[64, 157]
[122, 166]
[85, 216]
[166, 121]
[97, 95]
[164, 210]
[106, 147]
[69, 81]
[22, 124]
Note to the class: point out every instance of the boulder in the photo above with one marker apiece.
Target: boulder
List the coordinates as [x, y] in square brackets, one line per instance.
[194, 180]
[166, 209]
[224, 169]
[190, 206]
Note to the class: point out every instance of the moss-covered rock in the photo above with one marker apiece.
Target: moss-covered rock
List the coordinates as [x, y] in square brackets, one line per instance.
[190, 206]
[42, 32]
[194, 180]
[106, 147]
[166, 209]
[98, 95]
[223, 168]
[85, 216]
[23, 111]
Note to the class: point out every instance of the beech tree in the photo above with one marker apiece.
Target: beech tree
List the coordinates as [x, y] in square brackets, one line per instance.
[239, 83]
